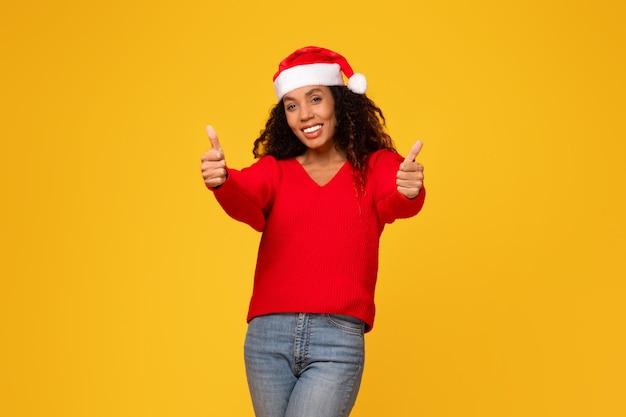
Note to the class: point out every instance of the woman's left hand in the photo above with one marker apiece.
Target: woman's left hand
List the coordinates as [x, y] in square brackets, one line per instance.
[410, 177]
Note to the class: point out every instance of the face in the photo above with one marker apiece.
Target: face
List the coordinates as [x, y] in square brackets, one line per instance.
[310, 114]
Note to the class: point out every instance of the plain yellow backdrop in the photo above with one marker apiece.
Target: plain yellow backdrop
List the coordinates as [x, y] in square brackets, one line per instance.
[124, 287]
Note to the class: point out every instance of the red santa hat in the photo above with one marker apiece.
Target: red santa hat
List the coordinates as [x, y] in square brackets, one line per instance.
[313, 65]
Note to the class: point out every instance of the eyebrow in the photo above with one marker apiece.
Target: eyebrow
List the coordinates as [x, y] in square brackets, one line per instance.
[307, 94]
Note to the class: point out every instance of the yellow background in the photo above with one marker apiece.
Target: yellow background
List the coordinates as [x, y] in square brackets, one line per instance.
[124, 287]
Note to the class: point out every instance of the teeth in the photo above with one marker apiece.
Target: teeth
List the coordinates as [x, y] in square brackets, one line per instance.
[312, 129]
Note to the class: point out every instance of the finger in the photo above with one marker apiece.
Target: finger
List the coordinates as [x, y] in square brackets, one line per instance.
[214, 182]
[410, 192]
[415, 150]
[212, 155]
[215, 142]
[212, 164]
[410, 175]
[411, 167]
[214, 173]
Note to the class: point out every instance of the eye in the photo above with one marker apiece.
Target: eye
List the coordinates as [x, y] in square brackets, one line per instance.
[316, 99]
[290, 107]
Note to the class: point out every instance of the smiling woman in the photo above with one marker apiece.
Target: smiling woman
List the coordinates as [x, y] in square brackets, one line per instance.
[311, 117]
[328, 178]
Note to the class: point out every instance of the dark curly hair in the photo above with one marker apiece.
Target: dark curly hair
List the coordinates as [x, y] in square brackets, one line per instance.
[360, 131]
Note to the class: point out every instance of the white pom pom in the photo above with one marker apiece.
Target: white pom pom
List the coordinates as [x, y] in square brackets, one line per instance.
[357, 83]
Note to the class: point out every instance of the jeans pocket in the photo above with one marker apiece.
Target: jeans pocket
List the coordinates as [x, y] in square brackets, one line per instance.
[348, 324]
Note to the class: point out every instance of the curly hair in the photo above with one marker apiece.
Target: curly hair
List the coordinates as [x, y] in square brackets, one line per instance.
[360, 131]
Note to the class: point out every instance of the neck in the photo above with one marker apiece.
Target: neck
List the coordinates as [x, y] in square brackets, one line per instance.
[322, 157]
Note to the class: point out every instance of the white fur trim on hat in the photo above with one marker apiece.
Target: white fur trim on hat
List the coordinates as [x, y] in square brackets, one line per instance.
[310, 74]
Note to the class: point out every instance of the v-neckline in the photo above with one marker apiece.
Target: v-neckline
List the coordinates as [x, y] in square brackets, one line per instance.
[335, 175]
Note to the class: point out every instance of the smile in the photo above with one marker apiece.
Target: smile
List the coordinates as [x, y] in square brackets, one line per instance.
[312, 129]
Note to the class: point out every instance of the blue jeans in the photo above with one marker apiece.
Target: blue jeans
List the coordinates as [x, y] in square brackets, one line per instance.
[304, 365]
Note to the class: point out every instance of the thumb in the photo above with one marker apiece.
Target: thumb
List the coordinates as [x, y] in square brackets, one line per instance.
[215, 142]
[415, 150]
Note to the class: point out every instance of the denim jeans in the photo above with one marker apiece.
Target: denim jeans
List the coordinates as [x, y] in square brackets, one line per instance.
[304, 365]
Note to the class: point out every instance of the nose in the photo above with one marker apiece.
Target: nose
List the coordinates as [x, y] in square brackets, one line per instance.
[305, 112]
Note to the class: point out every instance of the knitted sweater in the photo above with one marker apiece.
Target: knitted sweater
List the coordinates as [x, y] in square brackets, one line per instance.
[319, 248]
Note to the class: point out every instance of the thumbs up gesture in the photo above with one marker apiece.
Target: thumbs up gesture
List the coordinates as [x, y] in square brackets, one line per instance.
[213, 162]
[410, 176]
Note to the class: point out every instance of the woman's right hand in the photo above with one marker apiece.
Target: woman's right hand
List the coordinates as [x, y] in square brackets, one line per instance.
[213, 163]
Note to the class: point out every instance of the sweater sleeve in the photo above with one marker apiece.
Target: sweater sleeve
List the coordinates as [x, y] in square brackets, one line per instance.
[390, 203]
[247, 194]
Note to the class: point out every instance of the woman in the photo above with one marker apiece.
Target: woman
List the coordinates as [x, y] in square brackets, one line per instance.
[327, 181]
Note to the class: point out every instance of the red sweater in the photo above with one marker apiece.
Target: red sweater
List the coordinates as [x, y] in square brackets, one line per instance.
[319, 248]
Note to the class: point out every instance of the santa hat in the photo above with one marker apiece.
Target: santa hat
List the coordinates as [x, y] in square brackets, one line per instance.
[313, 65]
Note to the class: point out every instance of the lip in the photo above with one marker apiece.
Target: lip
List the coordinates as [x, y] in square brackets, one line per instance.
[315, 133]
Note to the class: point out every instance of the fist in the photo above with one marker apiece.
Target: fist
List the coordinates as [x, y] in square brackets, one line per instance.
[213, 162]
[410, 177]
